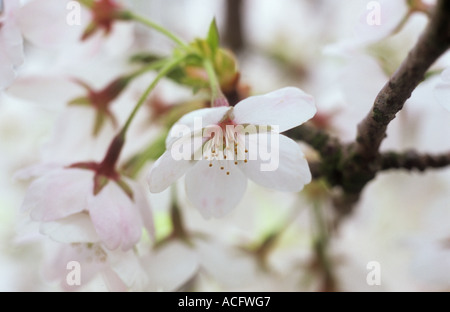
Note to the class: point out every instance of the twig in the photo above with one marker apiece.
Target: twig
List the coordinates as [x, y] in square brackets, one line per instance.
[233, 32]
[411, 160]
[390, 100]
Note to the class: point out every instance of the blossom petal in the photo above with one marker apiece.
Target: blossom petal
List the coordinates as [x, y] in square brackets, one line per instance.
[194, 121]
[51, 92]
[77, 228]
[115, 217]
[378, 20]
[212, 190]
[285, 108]
[445, 75]
[129, 270]
[7, 74]
[282, 168]
[178, 262]
[165, 171]
[215, 258]
[35, 171]
[442, 94]
[60, 255]
[142, 206]
[46, 23]
[113, 281]
[119, 41]
[58, 194]
[12, 42]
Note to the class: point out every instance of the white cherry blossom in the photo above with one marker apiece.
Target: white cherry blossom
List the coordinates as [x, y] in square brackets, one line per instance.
[63, 200]
[216, 174]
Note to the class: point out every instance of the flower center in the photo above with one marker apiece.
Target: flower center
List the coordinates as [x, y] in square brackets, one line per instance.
[225, 146]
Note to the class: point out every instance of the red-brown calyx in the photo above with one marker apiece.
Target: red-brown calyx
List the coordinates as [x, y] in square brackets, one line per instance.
[105, 170]
[101, 100]
[104, 14]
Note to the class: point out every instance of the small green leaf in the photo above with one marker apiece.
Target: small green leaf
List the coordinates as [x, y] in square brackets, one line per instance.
[83, 101]
[213, 36]
[87, 3]
[100, 182]
[99, 121]
[126, 188]
[145, 58]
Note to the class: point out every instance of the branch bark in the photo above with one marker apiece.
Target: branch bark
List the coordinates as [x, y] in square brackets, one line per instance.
[411, 160]
[233, 33]
[351, 166]
[432, 43]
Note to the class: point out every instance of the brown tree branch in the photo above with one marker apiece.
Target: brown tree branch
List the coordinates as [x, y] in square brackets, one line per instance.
[350, 167]
[390, 100]
[318, 139]
[411, 160]
[328, 147]
[234, 38]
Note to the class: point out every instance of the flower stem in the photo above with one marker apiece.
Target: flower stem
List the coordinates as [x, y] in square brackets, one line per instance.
[217, 97]
[152, 66]
[134, 165]
[320, 243]
[163, 72]
[145, 21]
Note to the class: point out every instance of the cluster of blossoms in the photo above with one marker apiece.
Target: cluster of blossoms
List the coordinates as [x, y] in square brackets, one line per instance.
[96, 209]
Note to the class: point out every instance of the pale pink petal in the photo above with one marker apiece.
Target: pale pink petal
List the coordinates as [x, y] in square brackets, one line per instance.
[9, 7]
[115, 217]
[379, 19]
[45, 23]
[72, 140]
[129, 269]
[285, 108]
[195, 121]
[212, 191]
[280, 163]
[76, 228]
[143, 206]
[178, 262]
[12, 42]
[445, 75]
[52, 92]
[7, 74]
[215, 259]
[442, 94]
[165, 171]
[58, 194]
[35, 171]
[113, 281]
[65, 257]
[119, 41]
